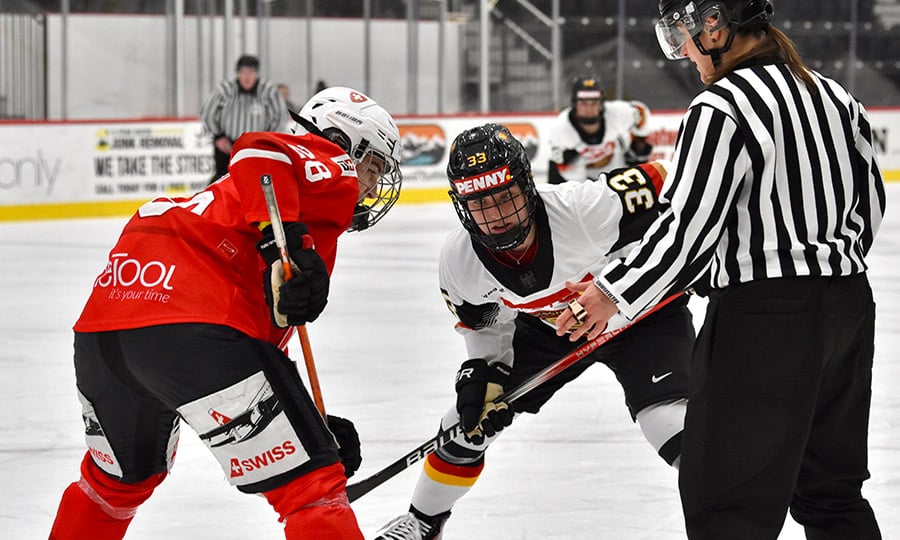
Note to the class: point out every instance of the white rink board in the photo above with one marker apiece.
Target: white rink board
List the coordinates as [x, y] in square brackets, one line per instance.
[67, 169]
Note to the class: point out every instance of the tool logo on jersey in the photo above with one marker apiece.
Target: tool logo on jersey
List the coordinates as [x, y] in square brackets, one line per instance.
[482, 182]
[123, 272]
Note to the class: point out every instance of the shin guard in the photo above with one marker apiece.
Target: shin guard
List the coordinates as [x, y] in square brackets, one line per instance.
[316, 506]
[98, 506]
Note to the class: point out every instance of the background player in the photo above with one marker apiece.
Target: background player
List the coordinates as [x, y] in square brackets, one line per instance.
[504, 273]
[187, 321]
[595, 135]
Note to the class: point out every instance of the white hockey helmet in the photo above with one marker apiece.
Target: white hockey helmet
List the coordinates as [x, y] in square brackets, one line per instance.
[362, 128]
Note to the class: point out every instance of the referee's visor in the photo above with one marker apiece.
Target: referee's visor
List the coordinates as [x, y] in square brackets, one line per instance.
[674, 29]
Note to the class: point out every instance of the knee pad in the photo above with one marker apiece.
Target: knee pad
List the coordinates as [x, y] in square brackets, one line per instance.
[662, 424]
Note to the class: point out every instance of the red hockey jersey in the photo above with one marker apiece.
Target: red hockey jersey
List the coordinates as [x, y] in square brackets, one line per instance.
[194, 259]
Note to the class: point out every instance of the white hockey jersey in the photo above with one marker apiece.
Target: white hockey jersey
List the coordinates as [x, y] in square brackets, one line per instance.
[622, 121]
[580, 227]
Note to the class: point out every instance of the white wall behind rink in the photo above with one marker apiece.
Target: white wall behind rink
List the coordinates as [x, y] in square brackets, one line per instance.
[98, 168]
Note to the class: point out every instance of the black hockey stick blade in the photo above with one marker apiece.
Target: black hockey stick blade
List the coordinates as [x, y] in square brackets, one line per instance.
[357, 490]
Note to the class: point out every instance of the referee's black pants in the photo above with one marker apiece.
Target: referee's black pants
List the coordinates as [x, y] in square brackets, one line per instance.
[779, 411]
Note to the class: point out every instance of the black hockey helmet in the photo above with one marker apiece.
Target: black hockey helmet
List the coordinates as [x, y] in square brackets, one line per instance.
[486, 162]
[694, 16]
[586, 87]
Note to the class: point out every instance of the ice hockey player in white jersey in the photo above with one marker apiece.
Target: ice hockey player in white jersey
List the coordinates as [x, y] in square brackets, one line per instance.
[595, 135]
[504, 273]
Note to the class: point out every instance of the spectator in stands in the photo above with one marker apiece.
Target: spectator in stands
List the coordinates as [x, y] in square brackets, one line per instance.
[243, 104]
[286, 94]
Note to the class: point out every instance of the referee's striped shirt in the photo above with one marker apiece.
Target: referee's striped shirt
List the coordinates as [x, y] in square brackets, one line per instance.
[769, 180]
[231, 111]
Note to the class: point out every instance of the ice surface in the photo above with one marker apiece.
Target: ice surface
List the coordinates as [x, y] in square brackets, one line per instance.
[386, 355]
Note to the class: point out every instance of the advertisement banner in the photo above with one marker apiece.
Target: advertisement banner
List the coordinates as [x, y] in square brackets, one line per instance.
[62, 170]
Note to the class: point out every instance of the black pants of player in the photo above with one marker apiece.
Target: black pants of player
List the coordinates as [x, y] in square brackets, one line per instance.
[221, 159]
[659, 344]
[779, 409]
[651, 360]
[137, 378]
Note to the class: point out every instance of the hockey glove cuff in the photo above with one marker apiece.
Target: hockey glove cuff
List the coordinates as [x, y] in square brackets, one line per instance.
[477, 386]
[301, 299]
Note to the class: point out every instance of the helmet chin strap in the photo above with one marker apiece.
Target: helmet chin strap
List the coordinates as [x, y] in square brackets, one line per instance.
[714, 54]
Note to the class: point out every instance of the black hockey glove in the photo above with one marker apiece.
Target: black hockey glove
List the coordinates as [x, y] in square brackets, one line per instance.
[477, 386]
[348, 443]
[638, 152]
[302, 299]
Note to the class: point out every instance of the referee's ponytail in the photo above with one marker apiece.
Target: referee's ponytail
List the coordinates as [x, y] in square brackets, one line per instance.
[771, 42]
[788, 51]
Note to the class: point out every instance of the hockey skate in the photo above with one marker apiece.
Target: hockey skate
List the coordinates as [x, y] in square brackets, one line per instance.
[414, 525]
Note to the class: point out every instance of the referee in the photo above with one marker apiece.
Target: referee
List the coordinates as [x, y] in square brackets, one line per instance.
[774, 203]
[240, 105]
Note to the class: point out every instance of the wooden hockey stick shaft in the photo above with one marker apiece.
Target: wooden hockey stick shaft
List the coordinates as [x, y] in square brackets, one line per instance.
[357, 490]
[281, 242]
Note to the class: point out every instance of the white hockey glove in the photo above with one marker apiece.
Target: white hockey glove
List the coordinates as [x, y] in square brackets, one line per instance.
[477, 386]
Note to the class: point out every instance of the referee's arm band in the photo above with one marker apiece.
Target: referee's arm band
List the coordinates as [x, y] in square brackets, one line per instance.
[600, 285]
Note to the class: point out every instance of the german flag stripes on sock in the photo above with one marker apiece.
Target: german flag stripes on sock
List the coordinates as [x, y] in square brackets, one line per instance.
[445, 473]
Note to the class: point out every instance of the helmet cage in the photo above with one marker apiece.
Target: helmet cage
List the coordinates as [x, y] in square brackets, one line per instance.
[373, 205]
[485, 164]
[365, 131]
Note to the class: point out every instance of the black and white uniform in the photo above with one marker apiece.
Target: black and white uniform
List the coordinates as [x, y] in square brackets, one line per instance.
[576, 156]
[507, 314]
[776, 196]
[231, 111]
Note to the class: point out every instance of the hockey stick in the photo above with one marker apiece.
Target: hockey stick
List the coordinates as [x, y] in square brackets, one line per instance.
[357, 490]
[280, 241]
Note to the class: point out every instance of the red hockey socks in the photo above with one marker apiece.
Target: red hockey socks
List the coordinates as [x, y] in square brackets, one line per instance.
[316, 506]
[98, 506]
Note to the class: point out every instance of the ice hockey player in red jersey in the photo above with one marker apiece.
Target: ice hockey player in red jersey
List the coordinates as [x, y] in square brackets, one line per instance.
[595, 134]
[504, 273]
[189, 319]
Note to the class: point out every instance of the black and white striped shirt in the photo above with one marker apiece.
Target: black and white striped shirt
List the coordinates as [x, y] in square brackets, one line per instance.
[769, 181]
[230, 111]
